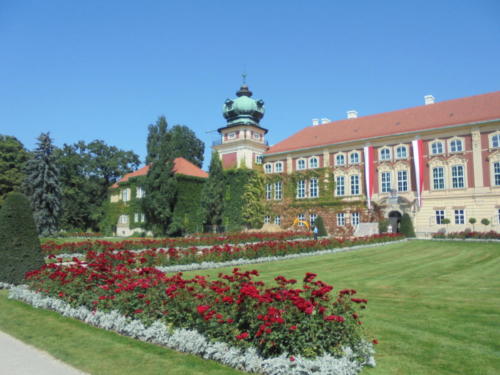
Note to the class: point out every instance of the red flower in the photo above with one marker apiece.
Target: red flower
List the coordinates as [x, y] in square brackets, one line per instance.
[242, 336]
[293, 328]
[336, 318]
[138, 311]
[203, 308]
[292, 358]
[375, 341]
[309, 277]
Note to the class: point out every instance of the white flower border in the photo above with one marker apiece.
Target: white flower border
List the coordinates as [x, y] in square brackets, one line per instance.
[190, 341]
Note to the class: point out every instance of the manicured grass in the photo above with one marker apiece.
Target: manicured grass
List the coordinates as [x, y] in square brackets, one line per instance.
[434, 306]
[94, 350]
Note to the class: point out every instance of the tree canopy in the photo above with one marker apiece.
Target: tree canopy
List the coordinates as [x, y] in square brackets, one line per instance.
[13, 158]
[212, 196]
[185, 144]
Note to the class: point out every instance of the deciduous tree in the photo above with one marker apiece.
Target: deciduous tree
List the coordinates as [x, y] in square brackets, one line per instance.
[13, 158]
[212, 196]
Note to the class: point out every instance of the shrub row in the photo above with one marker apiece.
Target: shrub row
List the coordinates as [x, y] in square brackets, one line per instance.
[492, 235]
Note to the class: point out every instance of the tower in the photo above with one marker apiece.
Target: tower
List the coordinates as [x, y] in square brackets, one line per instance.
[242, 139]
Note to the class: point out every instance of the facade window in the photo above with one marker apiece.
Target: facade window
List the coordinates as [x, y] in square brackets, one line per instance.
[495, 141]
[459, 217]
[313, 162]
[385, 154]
[312, 219]
[438, 178]
[140, 193]
[340, 186]
[402, 181]
[313, 188]
[136, 218]
[301, 189]
[496, 171]
[268, 168]
[143, 218]
[457, 176]
[277, 220]
[278, 167]
[401, 152]
[231, 135]
[437, 148]
[269, 191]
[267, 219]
[340, 159]
[456, 145]
[341, 219]
[385, 182]
[125, 196]
[301, 164]
[355, 218]
[354, 158]
[439, 216]
[355, 185]
[123, 219]
[301, 218]
[278, 191]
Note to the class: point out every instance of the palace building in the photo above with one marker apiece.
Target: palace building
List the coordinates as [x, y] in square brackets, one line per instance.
[438, 162]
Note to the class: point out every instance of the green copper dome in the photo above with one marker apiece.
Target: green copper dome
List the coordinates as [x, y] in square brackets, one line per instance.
[243, 110]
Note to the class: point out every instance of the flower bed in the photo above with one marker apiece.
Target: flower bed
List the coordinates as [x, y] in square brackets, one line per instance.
[52, 247]
[491, 235]
[235, 309]
[222, 253]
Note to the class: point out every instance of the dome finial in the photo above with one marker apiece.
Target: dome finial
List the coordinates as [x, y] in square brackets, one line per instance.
[244, 77]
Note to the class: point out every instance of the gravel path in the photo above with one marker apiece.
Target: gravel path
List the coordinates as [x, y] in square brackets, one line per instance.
[18, 358]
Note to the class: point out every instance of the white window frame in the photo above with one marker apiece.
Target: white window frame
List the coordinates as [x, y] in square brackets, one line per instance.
[457, 181]
[337, 157]
[494, 140]
[277, 220]
[312, 219]
[313, 187]
[433, 150]
[385, 154]
[355, 187]
[385, 181]
[269, 192]
[453, 143]
[495, 169]
[439, 216]
[354, 155]
[126, 195]
[459, 216]
[435, 178]
[301, 164]
[268, 168]
[278, 190]
[301, 189]
[139, 192]
[355, 218]
[338, 186]
[267, 219]
[340, 219]
[401, 155]
[402, 182]
[123, 219]
[136, 217]
[278, 167]
[301, 218]
[313, 162]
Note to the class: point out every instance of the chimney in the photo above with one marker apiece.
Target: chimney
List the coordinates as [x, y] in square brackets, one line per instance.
[352, 114]
[429, 99]
[315, 121]
[325, 120]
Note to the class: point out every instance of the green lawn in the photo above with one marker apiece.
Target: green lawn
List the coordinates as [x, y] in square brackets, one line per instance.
[434, 306]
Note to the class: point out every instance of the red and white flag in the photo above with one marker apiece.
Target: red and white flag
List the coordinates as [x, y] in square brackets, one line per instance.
[369, 173]
[418, 160]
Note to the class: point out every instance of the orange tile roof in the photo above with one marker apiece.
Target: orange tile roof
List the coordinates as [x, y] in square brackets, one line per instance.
[452, 112]
[181, 166]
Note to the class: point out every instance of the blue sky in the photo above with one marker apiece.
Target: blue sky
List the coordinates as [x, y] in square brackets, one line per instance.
[106, 69]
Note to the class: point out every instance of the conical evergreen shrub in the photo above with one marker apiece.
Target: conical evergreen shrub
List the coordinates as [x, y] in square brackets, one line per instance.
[321, 226]
[20, 250]
[406, 226]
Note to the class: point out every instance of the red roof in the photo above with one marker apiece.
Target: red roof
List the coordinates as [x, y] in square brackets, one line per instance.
[452, 112]
[181, 166]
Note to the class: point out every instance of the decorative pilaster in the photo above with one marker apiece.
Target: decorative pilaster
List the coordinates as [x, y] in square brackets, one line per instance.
[476, 158]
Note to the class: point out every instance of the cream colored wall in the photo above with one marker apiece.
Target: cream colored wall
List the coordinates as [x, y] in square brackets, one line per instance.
[115, 197]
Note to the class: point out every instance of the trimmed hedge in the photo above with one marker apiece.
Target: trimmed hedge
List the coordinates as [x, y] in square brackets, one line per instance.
[19, 244]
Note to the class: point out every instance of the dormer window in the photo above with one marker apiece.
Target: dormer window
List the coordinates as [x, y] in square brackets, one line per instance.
[301, 164]
[313, 162]
[437, 148]
[231, 135]
[385, 154]
[340, 159]
[401, 152]
[354, 158]
[456, 145]
[268, 168]
[278, 167]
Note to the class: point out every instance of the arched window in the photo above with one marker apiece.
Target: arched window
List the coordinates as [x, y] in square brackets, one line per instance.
[278, 167]
[340, 159]
[385, 154]
[354, 158]
[268, 168]
[313, 162]
[301, 164]
[401, 152]
[456, 145]
[437, 148]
